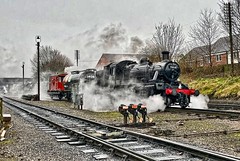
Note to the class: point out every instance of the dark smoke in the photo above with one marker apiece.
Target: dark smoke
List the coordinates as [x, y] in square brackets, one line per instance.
[135, 44]
[111, 36]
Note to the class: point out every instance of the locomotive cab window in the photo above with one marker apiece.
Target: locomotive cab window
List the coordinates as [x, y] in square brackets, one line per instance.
[60, 79]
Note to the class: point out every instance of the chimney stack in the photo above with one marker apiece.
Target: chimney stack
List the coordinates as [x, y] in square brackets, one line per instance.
[165, 55]
[77, 57]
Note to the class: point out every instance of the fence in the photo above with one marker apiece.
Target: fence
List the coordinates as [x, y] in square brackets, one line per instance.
[1, 110]
[214, 71]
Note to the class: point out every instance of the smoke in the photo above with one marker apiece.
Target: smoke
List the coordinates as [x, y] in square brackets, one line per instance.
[112, 36]
[135, 45]
[92, 43]
[8, 62]
[199, 102]
[104, 99]
[43, 90]
[44, 86]
[30, 88]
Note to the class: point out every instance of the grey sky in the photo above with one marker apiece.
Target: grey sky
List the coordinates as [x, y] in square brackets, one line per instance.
[62, 24]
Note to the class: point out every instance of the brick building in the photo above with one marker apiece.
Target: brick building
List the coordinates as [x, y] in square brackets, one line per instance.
[220, 54]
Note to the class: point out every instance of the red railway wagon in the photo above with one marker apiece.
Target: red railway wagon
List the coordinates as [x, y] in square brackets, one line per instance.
[57, 88]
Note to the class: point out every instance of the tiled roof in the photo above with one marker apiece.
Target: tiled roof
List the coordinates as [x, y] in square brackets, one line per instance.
[107, 58]
[221, 45]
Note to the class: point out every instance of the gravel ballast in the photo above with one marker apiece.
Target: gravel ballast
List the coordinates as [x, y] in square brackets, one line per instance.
[26, 142]
[30, 143]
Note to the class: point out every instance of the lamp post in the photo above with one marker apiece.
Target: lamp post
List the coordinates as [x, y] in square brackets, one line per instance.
[38, 40]
[23, 74]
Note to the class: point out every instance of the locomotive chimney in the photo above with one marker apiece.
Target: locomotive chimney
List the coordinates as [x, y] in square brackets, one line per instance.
[165, 55]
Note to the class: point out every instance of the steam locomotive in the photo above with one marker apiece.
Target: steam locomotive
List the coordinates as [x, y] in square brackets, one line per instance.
[144, 78]
[147, 79]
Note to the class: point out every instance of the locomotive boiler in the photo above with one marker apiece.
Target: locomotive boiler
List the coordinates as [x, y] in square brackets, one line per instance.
[147, 79]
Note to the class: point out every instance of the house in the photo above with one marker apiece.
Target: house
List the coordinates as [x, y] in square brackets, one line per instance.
[220, 54]
[107, 58]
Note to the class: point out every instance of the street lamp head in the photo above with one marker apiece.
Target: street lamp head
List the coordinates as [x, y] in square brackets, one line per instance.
[23, 64]
[38, 38]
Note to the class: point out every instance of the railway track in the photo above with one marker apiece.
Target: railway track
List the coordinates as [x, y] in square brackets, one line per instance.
[114, 141]
[207, 114]
[219, 113]
[224, 105]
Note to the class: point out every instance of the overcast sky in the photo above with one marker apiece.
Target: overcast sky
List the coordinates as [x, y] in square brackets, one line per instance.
[68, 25]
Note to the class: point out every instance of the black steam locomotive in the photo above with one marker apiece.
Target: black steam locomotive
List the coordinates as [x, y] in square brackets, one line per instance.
[147, 79]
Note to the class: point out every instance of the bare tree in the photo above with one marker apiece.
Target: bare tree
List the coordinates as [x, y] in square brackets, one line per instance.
[205, 32]
[168, 37]
[152, 51]
[51, 60]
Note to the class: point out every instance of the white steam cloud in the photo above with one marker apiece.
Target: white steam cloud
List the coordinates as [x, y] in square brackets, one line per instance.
[104, 99]
[199, 102]
[16, 90]
[8, 62]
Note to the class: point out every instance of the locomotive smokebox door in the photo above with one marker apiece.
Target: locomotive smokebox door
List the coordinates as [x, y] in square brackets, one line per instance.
[165, 55]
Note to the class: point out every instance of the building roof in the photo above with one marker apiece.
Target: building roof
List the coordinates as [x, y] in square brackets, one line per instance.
[220, 46]
[107, 58]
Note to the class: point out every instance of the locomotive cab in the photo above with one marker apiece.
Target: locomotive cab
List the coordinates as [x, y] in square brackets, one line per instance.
[142, 72]
[57, 88]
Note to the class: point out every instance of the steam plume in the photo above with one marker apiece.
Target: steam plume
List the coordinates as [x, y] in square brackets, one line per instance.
[135, 44]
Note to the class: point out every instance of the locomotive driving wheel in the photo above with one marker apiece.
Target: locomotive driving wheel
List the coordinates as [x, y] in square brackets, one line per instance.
[183, 100]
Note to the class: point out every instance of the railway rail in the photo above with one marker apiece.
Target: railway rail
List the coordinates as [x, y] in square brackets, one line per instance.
[224, 105]
[220, 113]
[120, 143]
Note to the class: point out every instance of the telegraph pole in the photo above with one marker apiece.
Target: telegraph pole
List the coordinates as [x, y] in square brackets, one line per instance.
[23, 74]
[77, 57]
[228, 14]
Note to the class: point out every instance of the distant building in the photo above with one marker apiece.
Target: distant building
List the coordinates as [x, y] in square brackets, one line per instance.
[220, 53]
[7, 83]
[11, 81]
[107, 58]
